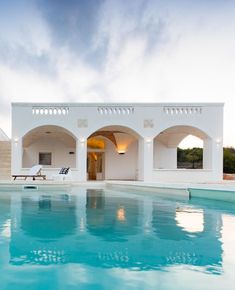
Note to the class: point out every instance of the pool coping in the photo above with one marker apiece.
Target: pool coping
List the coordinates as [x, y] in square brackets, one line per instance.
[221, 192]
[224, 191]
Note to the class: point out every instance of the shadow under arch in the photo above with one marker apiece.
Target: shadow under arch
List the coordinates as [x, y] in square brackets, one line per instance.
[111, 151]
[118, 128]
[56, 141]
[167, 141]
[49, 128]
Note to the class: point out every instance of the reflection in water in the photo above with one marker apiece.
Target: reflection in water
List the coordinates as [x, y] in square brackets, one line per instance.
[182, 245]
[95, 199]
[164, 224]
[5, 221]
[48, 217]
[121, 214]
[111, 218]
[44, 202]
[46, 229]
[191, 220]
[43, 224]
[6, 229]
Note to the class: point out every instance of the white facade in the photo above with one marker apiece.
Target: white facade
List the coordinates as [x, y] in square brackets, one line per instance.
[117, 141]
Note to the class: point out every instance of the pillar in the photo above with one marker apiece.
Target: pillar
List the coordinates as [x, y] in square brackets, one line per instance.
[207, 153]
[81, 158]
[213, 157]
[145, 159]
[16, 155]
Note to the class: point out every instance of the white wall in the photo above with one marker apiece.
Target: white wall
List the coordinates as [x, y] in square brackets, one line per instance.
[184, 175]
[121, 166]
[147, 120]
[164, 157]
[60, 153]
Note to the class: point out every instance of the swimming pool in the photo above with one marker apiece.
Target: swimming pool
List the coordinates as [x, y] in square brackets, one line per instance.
[103, 239]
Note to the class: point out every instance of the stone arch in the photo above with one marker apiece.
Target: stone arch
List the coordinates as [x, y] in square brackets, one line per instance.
[167, 141]
[118, 157]
[52, 145]
[119, 126]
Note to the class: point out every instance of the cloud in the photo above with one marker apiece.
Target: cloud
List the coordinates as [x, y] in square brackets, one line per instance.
[117, 51]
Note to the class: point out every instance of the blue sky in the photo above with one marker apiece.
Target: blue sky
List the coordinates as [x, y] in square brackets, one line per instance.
[118, 51]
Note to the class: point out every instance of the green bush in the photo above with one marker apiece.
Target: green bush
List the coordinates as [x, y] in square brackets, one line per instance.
[193, 157]
[189, 158]
[229, 160]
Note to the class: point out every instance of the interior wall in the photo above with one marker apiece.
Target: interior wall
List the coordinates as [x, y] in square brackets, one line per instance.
[121, 166]
[60, 153]
[164, 157]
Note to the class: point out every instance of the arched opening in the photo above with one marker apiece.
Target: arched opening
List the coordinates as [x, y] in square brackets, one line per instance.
[167, 154]
[112, 153]
[51, 146]
[190, 153]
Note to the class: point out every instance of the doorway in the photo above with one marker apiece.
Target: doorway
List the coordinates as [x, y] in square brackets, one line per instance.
[95, 165]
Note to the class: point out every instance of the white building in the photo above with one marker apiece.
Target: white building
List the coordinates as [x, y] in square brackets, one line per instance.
[116, 141]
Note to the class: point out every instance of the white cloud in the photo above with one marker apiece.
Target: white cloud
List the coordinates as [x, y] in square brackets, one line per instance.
[21, 25]
[151, 52]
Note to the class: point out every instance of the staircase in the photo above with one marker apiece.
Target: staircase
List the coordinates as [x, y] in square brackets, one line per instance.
[5, 160]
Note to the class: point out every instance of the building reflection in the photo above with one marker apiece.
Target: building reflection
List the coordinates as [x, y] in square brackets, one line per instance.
[44, 221]
[45, 229]
[5, 220]
[112, 218]
[164, 223]
[190, 220]
[190, 235]
[48, 218]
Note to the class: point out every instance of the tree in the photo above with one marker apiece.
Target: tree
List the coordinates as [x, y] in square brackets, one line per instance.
[189, 158]
[229, 160]
[194, 155]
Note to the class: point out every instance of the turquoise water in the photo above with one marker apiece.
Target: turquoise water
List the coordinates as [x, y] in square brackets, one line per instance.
[95, 239]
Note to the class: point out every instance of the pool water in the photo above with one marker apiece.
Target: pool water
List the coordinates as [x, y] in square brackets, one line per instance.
[98, 239]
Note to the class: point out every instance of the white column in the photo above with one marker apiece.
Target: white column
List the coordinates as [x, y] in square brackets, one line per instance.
[213, 157]
[81, 158]
[16, 155]
[145, 159]
[217, 159]
[207, 153]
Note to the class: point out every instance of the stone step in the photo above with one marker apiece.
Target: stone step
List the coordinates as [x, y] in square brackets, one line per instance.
[5, 160]
[5, 147]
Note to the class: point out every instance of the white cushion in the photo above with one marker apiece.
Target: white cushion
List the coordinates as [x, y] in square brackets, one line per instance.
[35, 170]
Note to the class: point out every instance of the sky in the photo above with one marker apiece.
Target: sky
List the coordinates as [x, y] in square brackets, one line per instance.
[118, 51]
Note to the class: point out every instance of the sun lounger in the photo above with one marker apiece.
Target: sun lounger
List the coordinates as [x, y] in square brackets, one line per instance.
[34, 172]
